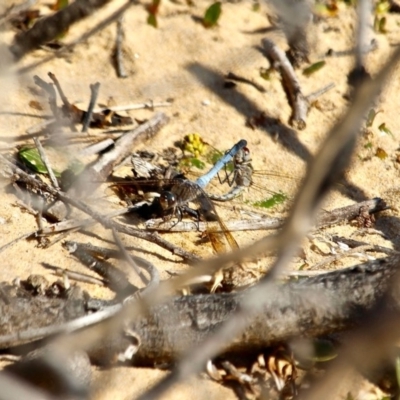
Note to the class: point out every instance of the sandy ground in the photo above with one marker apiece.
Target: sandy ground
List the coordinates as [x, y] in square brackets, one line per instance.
[184, 61]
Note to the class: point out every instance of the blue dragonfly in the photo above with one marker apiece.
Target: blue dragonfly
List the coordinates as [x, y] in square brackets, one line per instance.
[175, 201]
[243, 176]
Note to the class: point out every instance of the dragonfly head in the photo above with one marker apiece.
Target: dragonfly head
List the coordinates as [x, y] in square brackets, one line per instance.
[243, 156]
[167, 200]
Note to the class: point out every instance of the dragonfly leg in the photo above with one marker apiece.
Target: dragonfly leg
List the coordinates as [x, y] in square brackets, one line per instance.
[229, 177]
[193, 213]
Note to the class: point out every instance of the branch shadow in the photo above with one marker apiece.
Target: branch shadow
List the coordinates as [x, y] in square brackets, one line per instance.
[214, 82]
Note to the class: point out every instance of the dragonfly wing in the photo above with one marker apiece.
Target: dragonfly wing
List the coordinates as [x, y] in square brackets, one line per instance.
[210, 214]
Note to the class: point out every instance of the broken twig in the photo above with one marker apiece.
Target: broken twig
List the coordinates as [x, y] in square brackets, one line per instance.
[118, 53]
[94, 92]
[298, 101]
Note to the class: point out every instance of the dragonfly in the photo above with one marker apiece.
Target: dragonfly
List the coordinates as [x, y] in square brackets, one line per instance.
[242, 176]
[175, 200]
[180, 192]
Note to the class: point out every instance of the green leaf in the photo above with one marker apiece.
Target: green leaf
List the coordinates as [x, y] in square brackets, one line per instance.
[313, 68]
[382, 25]
[277, 198]
[197, 163]
[371, 117]
[31, 158]
[383, 128]
[189, 162]
[212, 15]
[265, 73]
[368, 145]
[152, 20]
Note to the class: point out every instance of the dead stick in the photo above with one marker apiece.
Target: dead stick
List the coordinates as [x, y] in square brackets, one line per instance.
[318, 93]
[115, 253]
[150, 105]
[46, 162]
[311, 307]
[103, 167]
[76, 276]
[94, 92]
[350, 212]
[118, 55]
[297, 100]
[357, 243]
[49, 88]
[49, 28]
[326, 218]
[60, 91]
[83, 38]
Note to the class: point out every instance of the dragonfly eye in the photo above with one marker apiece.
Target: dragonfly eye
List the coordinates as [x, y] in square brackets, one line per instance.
[167, 200]
[246, 154]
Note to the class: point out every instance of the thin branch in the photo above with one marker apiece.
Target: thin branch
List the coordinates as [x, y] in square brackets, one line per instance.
[96, 147]
[297, 100]
[150, 105]
[76, 276]
[94, 92]
[49, 28]
[356, 243]
[149, 236]
[116, 279]
[118, 53]
[19, 238]
[77, 223]
[364, 14]
[324, 219]
[97, 28]
[112, 253]
[348, 213]
[103, 167]
[318, 93]
[46, 162]
[358, 252]
[160, 225]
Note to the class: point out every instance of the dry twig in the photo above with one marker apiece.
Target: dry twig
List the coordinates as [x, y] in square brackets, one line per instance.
[49, 28]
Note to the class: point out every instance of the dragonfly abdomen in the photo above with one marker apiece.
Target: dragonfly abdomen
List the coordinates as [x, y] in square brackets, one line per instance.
[232, 194]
